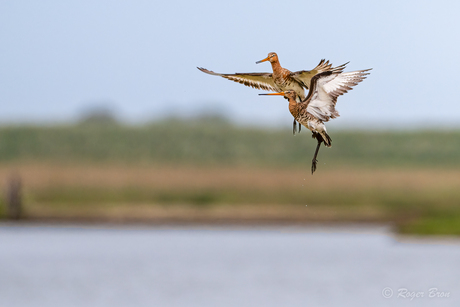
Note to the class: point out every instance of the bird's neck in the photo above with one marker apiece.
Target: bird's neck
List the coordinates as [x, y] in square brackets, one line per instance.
[293, 107]
[276, 67]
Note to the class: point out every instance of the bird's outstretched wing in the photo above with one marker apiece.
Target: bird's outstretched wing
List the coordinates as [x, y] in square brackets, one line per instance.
[261, 81]
[304, 76]
[326, 87]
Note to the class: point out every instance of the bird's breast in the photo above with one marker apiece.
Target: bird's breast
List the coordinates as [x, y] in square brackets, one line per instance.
[286, 82]
[281, 76]
[305, 119]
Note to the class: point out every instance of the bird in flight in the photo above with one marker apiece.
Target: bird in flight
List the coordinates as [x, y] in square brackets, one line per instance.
[280, 80]
[319, 105]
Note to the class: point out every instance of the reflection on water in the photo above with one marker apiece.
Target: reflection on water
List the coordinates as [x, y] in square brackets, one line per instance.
[71, 266]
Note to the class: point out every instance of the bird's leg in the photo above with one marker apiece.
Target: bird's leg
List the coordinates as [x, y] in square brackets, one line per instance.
[314, 161]
[294, 127]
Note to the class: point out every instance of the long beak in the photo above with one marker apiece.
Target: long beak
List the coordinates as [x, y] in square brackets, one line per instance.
[271, 94]
[266, 59]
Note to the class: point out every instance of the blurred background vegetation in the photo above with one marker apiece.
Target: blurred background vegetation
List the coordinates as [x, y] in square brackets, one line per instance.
[208, 170]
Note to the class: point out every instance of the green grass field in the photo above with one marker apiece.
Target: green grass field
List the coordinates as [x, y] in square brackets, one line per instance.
[208, 169]
[214, 143]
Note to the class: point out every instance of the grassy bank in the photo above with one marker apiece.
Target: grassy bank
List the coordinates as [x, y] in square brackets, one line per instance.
[416, 201]
[205, 171]
[217, 144]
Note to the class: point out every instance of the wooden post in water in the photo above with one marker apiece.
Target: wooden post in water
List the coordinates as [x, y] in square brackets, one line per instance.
[13, 197]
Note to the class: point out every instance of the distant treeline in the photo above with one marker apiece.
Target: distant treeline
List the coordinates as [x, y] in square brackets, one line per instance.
[216, 142]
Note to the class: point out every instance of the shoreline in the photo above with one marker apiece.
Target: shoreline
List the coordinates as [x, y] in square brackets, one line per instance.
[359, 228]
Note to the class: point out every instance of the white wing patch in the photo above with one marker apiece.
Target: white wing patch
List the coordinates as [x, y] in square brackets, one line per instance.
[328, 88]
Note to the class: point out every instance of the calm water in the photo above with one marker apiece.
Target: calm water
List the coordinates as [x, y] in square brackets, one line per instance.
[71, 266]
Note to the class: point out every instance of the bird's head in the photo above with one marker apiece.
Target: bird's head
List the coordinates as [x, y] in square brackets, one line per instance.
[272, 57]
[290, 94]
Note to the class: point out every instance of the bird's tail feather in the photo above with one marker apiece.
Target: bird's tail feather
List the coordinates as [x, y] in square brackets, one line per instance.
[326, 139]
[322, 137]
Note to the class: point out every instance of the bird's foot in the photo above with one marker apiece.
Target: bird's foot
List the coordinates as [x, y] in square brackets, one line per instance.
[313, 165]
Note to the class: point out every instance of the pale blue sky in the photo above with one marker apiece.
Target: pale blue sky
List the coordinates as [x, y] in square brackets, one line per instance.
[57, 58]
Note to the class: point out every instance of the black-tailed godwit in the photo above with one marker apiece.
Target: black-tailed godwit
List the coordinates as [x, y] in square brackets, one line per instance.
[319, 105]
[280, 80]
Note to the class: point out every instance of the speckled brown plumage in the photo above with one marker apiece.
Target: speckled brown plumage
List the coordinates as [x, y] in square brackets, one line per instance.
[319, 105]
[281, 79]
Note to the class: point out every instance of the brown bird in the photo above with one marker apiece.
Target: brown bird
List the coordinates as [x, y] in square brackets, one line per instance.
[319, 105]
[280, 80]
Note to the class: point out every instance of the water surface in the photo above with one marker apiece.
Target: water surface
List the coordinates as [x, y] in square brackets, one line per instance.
[75, 266]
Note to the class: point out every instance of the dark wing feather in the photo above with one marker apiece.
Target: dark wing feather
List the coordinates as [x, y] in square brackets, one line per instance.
[261, 81]
[304, 76]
